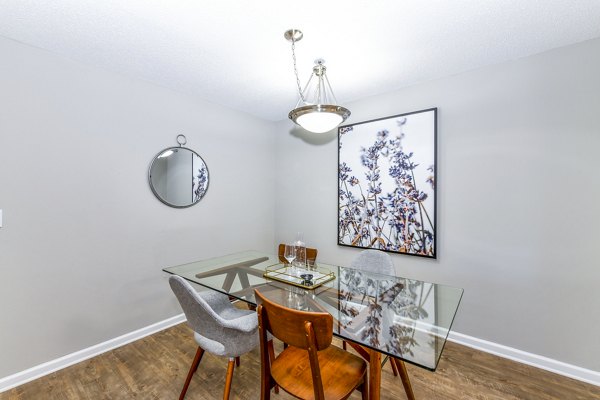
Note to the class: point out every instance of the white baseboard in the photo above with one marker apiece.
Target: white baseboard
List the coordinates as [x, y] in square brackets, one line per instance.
[548, 364]
[38, 371]
[545, 363]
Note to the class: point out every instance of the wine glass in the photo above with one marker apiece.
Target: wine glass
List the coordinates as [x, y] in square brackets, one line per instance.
[300, 250]
[289, 253]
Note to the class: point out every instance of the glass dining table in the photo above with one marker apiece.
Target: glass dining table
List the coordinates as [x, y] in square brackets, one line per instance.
[382, 317]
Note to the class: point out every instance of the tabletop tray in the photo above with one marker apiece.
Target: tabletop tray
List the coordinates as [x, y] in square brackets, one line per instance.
[281, 273]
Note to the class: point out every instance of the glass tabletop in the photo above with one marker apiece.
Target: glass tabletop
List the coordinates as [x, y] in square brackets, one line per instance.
[404, 318]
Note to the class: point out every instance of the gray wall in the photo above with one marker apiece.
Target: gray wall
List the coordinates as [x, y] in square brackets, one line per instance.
[518, 198]
[84, 238]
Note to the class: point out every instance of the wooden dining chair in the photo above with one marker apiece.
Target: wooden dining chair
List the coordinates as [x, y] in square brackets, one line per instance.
[311, 254]
[379, 262]
[219, 327]
[310, 367]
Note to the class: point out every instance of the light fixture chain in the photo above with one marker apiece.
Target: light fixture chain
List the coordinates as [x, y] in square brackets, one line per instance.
[296, 71]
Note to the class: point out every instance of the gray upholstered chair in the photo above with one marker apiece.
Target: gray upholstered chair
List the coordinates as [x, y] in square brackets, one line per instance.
[379, 262]
[375, 261]
[219, 327]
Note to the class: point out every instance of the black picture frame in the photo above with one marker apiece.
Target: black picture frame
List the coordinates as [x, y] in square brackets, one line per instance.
[387, 184]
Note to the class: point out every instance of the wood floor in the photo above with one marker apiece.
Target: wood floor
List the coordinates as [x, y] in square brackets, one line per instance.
[155, 368]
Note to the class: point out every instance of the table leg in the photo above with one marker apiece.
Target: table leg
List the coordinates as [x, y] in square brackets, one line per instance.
[243, 278]
[228, 282]
[405, 379]
[374, 374]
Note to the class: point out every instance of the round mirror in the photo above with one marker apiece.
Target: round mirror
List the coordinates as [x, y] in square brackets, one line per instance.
[178, 177]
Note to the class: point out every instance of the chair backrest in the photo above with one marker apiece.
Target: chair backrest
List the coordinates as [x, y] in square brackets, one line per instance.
[375, 261]
[201, 317]
[311, 254]
[311, 331]
[291, 326]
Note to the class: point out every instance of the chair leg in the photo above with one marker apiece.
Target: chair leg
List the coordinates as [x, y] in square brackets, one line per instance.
[237, 361]
[405, 379]
[365, 389]
[344, 345]
[229, 378]
[271, 350]
[393, 364]
[265, 390]
[193, 368]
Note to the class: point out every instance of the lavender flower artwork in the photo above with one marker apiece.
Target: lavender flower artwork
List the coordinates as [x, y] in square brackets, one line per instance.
[386, 184]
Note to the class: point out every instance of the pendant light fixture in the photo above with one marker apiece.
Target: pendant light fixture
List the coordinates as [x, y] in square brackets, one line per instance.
[316, 110]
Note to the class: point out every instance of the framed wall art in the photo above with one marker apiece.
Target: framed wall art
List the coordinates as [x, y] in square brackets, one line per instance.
[387, 184]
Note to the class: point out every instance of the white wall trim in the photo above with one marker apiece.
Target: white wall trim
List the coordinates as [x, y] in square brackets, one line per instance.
[545, 363]
[38, 371]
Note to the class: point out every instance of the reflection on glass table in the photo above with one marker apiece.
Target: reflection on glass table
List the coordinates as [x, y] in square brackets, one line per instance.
[401, 316]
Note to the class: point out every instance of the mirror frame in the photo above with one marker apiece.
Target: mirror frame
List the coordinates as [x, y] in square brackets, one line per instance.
[154, 190]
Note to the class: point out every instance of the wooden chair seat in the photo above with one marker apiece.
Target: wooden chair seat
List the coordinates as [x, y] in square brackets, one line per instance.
[310, 367]
[340, 371]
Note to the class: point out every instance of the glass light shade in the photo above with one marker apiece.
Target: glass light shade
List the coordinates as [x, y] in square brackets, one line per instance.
[319, 118]
[319, 122]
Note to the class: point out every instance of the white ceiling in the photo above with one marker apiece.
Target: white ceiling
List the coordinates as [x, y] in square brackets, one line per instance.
[233, 52]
